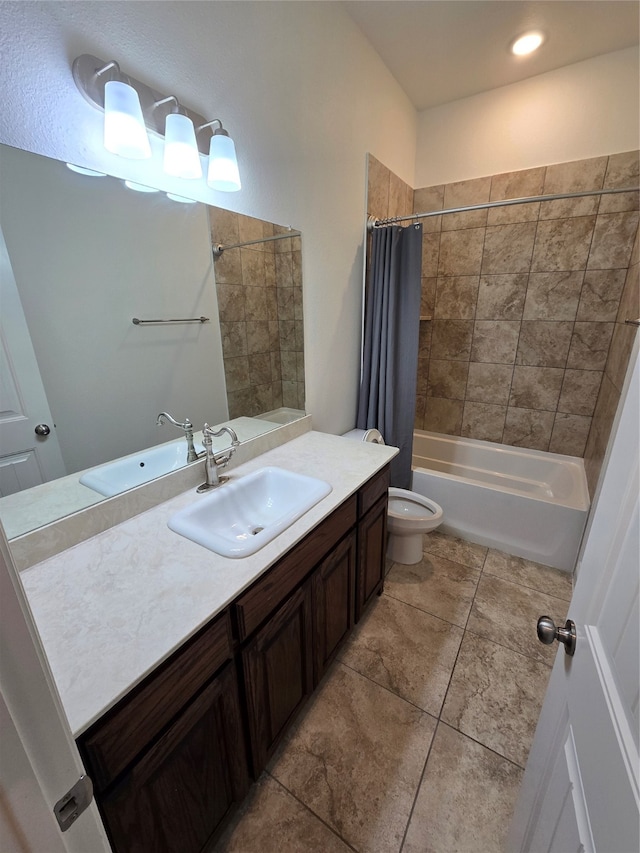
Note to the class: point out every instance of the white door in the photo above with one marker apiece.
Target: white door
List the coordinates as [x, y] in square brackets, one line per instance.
[26, 459]
[580, 790]
[39, 761]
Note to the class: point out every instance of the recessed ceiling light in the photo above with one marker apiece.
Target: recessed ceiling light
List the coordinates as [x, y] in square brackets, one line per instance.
[527, 43]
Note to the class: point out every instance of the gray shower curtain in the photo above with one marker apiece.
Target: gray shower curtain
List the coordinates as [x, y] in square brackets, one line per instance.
[387, 398]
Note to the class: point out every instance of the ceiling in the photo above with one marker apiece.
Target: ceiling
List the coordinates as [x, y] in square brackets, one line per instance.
[442, 50]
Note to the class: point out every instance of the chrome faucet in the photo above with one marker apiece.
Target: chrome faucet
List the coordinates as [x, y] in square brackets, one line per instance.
[216, 461]
[187, 426]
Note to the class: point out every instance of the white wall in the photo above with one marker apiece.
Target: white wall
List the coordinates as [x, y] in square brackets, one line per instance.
[583, 110]
[300, 90]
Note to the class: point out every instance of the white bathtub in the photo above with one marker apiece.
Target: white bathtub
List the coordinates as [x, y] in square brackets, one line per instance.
[525, 502]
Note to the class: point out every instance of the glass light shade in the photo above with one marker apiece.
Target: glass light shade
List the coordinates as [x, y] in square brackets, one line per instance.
[82, 170]
[223, 171]
[181, 199]
[124, 129]
[140, 188]
[181, 157]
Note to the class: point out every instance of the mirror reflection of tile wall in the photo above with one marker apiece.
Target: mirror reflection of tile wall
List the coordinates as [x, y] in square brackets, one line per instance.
[259, 291]
[522, 335]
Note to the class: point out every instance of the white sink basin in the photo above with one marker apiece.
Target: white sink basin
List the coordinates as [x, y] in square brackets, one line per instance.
[131, 471]
[240, 517]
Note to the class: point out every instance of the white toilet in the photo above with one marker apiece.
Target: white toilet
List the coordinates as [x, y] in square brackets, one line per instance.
[409, 514]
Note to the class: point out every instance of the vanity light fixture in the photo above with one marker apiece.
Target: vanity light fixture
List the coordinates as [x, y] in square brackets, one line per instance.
[140, 188]
[181, 199]
[527, 43]
[103, 85]
[222, 173]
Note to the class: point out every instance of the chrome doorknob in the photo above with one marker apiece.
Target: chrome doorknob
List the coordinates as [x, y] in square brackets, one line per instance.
[547, 633]
[42, 429]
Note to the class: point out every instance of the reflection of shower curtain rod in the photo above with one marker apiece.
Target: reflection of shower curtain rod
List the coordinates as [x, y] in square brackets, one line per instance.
[218, 248]
[378, 223]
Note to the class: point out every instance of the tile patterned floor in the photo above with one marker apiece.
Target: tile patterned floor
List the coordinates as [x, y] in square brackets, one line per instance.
[416, 740]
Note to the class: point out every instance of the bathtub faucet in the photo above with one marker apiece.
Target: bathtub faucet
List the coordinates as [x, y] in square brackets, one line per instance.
[187, 427]
[216, 461]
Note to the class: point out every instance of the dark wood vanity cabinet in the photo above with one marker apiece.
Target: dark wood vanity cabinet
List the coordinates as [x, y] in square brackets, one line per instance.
[170, 761]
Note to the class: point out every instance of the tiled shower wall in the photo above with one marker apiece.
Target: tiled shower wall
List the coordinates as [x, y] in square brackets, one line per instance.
[259, 291]
[520, 303]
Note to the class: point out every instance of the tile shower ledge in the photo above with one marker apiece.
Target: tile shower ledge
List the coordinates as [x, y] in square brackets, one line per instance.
[110, 609]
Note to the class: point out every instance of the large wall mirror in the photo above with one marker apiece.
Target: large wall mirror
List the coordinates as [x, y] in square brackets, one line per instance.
[81, 256]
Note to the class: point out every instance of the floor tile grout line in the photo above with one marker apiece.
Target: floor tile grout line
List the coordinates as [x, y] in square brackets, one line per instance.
[419, 785]
[508, 648]
[311, 812]
[421, 610]
[525, 586]
[480, 743]
[388, 689]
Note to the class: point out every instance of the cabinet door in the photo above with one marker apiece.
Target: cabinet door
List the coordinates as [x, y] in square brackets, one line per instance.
[334, 590]
[372, 544]
[278, 674]
[176, 796]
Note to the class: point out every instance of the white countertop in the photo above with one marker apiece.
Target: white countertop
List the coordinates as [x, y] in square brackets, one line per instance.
[110, 609]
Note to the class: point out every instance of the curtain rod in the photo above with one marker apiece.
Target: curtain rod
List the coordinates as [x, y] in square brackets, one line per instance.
[373, 222]
[218, 248]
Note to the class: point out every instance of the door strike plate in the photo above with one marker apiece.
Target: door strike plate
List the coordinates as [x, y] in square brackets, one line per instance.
[74, 802]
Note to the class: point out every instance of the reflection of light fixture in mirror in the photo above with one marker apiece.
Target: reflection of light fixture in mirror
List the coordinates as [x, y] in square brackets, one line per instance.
[527, 43]
[82, 170]
[181, 199]
[125, 133]
[140, 188]
[223, 171]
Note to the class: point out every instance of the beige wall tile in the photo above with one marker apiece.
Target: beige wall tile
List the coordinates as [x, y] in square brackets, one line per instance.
[456, 297]
[228, 268]
[536, 388]
[483, 421]
[575, 176]
[251, 229]
[462, 193]
[501, 297]
[224, 226]
[234, 339]
[569, 434]
[489, 383]
[521, 184]
[630, 301]
[590, 346]
[447, 379]
[284, 270]
[613, 239]
[231, 302]
[544, 343]
[286, 303]
[508, 248]
[620, 353]
[258, 339]
[418, 420]
[424, 339]
[397, 196]
[259, 369]
[378, 178]
[579, 392]
[567, 207]
[528, 428]
[452, 339]
[460, 252]
[600, 296]
[562, 244]
[619, 202]
[428, 199]
[623, 170]
[236, 372]
[428, 297]
[430, 254]
[465, 219]
[423, 374]
[603, 416]
[442, 415]
[553, 295]
[495, 341]
[513, 213]
[252, 268]
[256, 303]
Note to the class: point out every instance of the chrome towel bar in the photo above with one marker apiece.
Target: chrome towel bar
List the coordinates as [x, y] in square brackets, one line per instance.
[138, 322]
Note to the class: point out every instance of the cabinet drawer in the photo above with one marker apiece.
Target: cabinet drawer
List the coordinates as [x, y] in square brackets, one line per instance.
[373, 491]
[268, 592]
[115, 740]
